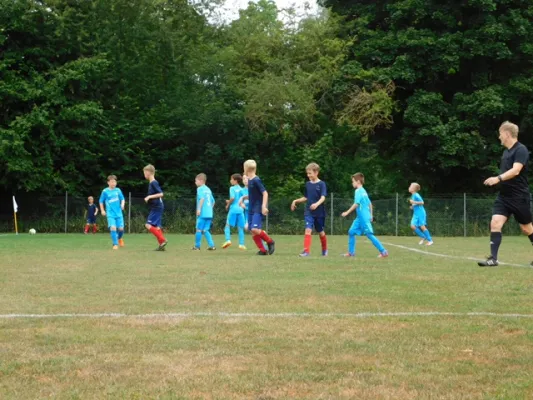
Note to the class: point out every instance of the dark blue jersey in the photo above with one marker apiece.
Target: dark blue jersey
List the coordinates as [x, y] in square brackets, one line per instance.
[91, 210]
[255, 195]
[154, 188]
[313, 193]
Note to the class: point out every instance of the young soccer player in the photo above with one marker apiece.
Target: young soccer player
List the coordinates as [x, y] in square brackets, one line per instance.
[111, 205]
[155, 201]
[315, 212]
[258, 197]
[244, 201]
[418, 222]
[235, 212]
[362, 225]
[91, 213]
[204, 212]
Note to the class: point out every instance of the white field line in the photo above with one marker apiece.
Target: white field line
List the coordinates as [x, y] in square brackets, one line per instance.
[251, 315]
[427, 253]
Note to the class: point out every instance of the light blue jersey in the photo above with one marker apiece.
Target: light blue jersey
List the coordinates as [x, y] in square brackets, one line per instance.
[363, 205]
[418, 209]
[203, 192]
[235, 192]
[112, 198]
[246, 201]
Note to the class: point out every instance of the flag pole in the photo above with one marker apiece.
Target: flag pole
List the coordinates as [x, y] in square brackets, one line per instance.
[16, 226]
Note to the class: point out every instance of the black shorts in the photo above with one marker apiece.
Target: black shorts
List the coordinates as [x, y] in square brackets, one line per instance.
[519, 207]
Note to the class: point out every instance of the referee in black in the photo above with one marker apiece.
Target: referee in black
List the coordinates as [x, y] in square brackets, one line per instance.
[514, 198]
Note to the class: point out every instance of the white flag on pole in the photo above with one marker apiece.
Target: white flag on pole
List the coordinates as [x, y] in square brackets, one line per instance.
[15, 205]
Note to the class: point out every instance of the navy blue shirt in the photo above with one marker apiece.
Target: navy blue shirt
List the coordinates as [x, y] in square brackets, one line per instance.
[154, 188]
[255, 195]
[91, 210]
[313, 193]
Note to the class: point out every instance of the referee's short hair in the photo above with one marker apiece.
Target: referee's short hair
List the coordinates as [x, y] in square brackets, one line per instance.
[511, 128]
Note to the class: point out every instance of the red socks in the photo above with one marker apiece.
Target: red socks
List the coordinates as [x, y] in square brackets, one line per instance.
[158, 234]
[324, 242]
[95, 228]
[263, 235]
[307, 243]
[259, 242]
[86, 230]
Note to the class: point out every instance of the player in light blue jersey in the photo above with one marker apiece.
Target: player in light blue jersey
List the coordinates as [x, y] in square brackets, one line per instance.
[419, 220]
[204, 212]
[235, 212]
[244, 202]
[362, 225]
[111, 205]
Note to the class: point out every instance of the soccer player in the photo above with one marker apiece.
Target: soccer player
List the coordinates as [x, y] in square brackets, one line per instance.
[315, 212]
[362, 225]
[235, 212]
[418, 222]
[514, 197]
[204, 212]
[155, 201]
[91, 213]
[244, 202]
[111, 205]
[258, 197]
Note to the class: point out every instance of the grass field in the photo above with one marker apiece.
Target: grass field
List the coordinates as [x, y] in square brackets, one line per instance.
[293, 329]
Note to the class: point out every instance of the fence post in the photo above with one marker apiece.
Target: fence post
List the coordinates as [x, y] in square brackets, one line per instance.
[397, 200]
[464, 215]
[66, 210]
[332, 217]
[129, 213]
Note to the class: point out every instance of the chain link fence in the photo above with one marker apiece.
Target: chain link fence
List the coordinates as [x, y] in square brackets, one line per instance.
[458, 215]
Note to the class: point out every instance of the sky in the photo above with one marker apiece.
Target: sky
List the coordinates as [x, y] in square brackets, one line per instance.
[231, 7]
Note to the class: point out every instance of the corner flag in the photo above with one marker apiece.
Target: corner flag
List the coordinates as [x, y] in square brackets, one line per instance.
[15, 209]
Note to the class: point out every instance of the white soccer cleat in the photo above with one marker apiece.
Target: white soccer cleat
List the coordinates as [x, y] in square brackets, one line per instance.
[421, 242]
[429, 243]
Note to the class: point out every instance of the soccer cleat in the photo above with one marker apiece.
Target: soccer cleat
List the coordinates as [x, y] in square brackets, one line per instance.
[195, 248]
[429, 243]
[271, 247]
[347, 255]
[121, 242]
[262, 253]
[421, 242]
[324, 253]
[383, 254]
[304, 254]
[242, 247]
[489, 262]
[162, 246]
[226, 244]
[211, 248]
[115, 247]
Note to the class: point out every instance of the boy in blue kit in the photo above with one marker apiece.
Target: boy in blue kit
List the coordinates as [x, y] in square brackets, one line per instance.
[315, 212]
[362, 225]
[244, 202]
[91, 213]
[235, 212]
[111, 205]
[204, 212]
[155, 201]
[258, 197]
[418, 222]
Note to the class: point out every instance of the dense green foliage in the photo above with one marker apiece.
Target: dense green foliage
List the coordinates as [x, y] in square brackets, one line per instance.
[401, 90]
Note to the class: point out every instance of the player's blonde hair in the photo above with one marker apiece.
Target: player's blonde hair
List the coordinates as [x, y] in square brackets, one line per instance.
[111, 177]
[416, 185]
[359, 177]
[250, 165]
[511, 128]
[202, 177]
[313, 167]
[150, 168]
[90, 198]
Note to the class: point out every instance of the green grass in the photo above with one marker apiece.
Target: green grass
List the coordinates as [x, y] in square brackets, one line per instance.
[262, 357]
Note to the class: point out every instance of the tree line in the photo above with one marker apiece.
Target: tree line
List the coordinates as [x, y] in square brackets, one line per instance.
[401, 90]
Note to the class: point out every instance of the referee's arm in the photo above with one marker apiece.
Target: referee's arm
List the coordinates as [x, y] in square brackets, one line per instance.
[507, 175]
